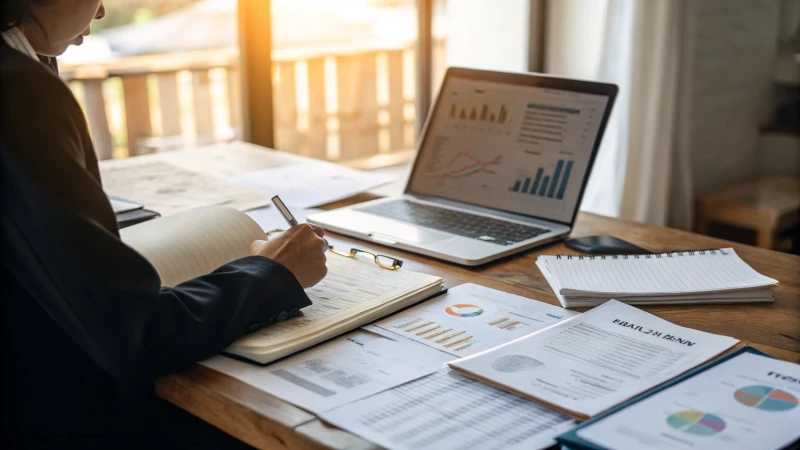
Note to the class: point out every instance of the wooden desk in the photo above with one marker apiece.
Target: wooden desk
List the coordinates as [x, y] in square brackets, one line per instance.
[266, 422]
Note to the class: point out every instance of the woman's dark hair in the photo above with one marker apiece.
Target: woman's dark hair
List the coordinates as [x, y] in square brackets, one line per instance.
[12, 12]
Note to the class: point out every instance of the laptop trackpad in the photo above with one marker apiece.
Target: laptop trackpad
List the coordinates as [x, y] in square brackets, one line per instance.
[392, 232]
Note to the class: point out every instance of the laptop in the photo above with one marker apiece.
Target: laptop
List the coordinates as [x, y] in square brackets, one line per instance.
[501, 167]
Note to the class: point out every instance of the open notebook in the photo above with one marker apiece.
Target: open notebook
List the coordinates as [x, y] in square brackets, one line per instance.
[356, 291]
[674, 278]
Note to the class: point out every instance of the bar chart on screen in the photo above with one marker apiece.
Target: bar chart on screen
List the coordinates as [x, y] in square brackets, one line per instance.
[481, 113]
[546, 184]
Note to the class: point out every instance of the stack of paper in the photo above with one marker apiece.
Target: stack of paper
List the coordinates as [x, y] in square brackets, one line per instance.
[351, 367]
[592, 362]
[709, 276]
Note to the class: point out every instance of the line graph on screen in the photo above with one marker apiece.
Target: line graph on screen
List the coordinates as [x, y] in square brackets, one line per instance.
[462, 164]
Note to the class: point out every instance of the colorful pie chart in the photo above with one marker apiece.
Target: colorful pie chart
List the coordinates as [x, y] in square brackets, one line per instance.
[464, 310]
[765, 398]
[696, 422]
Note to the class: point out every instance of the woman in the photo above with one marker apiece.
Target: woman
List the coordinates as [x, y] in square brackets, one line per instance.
[86, 326]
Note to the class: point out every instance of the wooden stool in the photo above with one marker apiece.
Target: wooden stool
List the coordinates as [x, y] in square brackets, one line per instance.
[767, 205]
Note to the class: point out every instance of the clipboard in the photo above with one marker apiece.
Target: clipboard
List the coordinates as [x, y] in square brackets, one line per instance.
[571, 440]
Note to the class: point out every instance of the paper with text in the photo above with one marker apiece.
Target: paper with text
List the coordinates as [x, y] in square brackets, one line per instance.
[445, 410]
[589, 363]
[168, 189]
[749, 401]
[227, 159]
[337, 372]
[353, 287]
[307, 185]
[472, 318]
[193, 243]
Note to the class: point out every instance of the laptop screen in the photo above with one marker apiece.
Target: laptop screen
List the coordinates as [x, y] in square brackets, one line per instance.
[517, 148]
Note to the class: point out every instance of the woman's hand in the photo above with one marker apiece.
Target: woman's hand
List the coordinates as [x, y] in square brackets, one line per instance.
[300, 249]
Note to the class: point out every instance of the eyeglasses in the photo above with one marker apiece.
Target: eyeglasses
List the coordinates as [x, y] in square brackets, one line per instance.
[383, 261]
[386, 262]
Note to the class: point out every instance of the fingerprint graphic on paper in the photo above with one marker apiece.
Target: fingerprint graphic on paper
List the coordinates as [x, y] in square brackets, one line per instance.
[516, 363]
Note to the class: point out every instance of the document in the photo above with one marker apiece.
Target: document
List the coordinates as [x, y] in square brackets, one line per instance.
[445, 410]
[307, 185]
[226, 159]
[749, 401]
[472, 318]
[354, 292]
[345, 369]
[167, 188]
[592, 362]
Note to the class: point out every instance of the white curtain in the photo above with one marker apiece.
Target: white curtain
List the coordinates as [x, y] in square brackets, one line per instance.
[642, 171]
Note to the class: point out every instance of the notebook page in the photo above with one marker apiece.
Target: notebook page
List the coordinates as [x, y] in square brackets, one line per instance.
[194, 242]
[353, 287]
[719, 270]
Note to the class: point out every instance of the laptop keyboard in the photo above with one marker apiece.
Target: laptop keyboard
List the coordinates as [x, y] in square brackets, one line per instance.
[456, 222]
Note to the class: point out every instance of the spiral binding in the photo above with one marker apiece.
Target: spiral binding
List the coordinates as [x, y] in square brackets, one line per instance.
[711, 251]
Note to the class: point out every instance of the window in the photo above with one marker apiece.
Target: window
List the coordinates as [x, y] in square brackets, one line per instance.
[480, 34]
[344, 77]
[158, 75]
[152, 77]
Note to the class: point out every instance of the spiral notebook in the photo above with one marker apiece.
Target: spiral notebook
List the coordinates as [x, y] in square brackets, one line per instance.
[674, 278]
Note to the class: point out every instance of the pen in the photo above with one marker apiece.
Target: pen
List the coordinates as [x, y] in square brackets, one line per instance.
[289, 217]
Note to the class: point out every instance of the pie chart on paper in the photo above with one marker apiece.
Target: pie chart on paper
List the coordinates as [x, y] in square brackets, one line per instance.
[696, 422]
[464, 310]
[766, 398]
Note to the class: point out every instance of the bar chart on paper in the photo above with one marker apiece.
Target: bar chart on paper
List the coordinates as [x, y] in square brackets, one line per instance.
[470, 319]
[550, 185]
[450, 338]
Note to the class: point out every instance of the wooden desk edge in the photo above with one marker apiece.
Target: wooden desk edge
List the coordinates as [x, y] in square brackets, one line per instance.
[251, 415]
[264, 421]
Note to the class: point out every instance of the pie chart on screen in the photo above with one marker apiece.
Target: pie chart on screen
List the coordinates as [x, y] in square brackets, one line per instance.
[464, 310]
[765, 398]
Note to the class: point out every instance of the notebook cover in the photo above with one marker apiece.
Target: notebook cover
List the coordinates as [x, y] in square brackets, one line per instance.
[571, 439]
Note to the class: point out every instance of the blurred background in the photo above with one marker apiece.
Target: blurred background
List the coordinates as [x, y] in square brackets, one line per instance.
[705, 134]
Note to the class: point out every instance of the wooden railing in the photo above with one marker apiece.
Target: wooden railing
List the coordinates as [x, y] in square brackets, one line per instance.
[349, 105]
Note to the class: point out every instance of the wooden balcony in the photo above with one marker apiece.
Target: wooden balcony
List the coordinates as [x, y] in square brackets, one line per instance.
[342, 104]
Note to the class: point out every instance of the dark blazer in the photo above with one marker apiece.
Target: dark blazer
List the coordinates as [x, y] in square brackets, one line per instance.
[86, 324]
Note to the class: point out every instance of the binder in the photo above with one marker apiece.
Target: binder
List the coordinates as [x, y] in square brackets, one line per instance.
[571, 440]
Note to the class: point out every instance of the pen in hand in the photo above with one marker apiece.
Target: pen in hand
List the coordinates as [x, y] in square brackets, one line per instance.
[289, 217]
